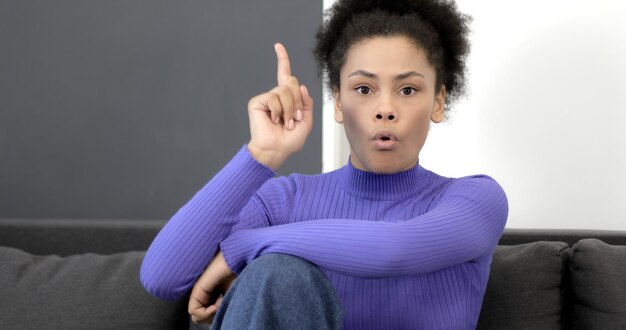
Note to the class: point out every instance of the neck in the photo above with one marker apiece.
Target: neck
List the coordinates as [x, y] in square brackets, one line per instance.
[383, 186]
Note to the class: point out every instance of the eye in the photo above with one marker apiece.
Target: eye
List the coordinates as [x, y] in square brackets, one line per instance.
[363, 90]
[408, 90]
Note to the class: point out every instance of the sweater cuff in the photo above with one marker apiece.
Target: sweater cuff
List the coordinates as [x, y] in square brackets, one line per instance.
[237, 249]
[260, 168]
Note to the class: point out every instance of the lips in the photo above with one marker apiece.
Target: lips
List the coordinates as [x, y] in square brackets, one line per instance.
[385, 135]
[384, 140]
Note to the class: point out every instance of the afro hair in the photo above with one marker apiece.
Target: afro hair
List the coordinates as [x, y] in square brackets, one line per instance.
[436, 26]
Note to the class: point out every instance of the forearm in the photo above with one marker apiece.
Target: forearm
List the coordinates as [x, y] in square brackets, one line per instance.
[461, 229]
[186, 244]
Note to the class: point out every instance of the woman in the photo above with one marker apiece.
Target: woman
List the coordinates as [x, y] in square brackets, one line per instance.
[379, 243]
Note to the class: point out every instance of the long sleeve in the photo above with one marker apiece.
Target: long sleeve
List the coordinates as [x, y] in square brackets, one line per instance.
[465, 225]
[190, 239]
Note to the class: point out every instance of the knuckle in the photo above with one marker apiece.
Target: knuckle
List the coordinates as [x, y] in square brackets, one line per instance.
[276, 108]
[273, 99]
[284, 90]
[251, 102]
[299, 104]
[288, 110]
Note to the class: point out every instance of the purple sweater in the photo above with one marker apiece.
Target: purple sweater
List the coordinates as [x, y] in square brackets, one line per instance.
[406, 250]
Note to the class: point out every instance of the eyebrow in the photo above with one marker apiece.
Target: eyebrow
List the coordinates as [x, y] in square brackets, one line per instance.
[370, 75]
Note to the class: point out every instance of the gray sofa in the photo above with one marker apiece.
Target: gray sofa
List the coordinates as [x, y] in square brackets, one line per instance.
[83, 274]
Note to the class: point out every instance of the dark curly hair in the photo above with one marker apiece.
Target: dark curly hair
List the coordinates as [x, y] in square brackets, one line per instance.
[436, 26]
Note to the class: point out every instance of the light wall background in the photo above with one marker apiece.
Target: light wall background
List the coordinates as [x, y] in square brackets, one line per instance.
[545, 114]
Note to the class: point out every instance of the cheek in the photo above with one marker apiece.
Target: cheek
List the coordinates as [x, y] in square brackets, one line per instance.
[354, 124]
[354, 105]
[418, 124]
[421, 129]
[424, 121]
[350, 114]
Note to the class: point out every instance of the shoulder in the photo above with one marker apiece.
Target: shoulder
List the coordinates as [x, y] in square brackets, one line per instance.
[285, 187]
[477, 190]
[470, 185]
[480, 193]
[476, 185]
[280, 195]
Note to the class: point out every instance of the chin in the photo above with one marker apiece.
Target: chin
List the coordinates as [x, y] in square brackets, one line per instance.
[382, 162]
[387, 167]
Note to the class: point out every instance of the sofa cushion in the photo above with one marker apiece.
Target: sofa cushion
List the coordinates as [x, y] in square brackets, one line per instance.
[598, 273]
[87, 291]
[524, 288]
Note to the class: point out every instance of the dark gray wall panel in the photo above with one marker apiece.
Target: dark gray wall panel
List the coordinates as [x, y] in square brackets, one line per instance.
[124, 109]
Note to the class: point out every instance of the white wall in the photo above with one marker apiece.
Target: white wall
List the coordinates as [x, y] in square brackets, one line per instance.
[546, 112]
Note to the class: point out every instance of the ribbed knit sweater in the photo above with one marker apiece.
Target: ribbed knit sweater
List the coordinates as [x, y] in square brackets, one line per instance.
[409, 250]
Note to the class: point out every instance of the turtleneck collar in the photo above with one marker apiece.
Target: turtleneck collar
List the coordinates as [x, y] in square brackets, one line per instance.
[383, 186]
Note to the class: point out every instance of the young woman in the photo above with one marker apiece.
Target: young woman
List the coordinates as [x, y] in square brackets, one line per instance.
[381, 243]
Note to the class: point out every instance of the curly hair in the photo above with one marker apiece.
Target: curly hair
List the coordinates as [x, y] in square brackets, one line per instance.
[436, 26]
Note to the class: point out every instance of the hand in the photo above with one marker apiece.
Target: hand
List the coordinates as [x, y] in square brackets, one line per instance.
[208, 292]
[281, 119]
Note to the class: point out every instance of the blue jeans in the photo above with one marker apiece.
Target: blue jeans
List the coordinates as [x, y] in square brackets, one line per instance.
[279, 291]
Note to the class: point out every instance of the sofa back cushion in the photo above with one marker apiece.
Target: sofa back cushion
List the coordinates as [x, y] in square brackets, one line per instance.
[524, 288]
[598, 273]
[87, 291]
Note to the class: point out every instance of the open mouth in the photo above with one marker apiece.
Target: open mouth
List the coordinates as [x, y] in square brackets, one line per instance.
[385, 135]
[385, 140]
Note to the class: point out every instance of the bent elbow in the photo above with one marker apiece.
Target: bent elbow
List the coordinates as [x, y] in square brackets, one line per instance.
[161, 283]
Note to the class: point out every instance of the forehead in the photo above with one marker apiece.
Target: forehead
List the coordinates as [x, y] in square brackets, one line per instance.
[387, 56]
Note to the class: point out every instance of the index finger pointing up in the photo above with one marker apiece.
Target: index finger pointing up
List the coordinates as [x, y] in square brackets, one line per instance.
[284, 68]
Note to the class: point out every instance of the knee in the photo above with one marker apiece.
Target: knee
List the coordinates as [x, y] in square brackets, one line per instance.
[281, 289]
[279, 260]
[289, 271]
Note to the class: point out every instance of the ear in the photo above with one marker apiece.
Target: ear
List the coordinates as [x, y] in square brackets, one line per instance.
[337, 101]
[439, 108]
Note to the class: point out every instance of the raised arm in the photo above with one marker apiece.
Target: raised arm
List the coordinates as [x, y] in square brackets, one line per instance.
[464, 226]
[280, 122]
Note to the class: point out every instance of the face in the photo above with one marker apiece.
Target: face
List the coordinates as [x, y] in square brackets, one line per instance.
[386, 101]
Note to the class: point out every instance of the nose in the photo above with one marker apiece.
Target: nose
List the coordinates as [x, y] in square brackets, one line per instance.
[389, 116]
[386, 112]
[385, 109]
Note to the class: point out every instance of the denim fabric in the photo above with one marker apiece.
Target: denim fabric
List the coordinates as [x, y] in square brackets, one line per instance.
[279, 291]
